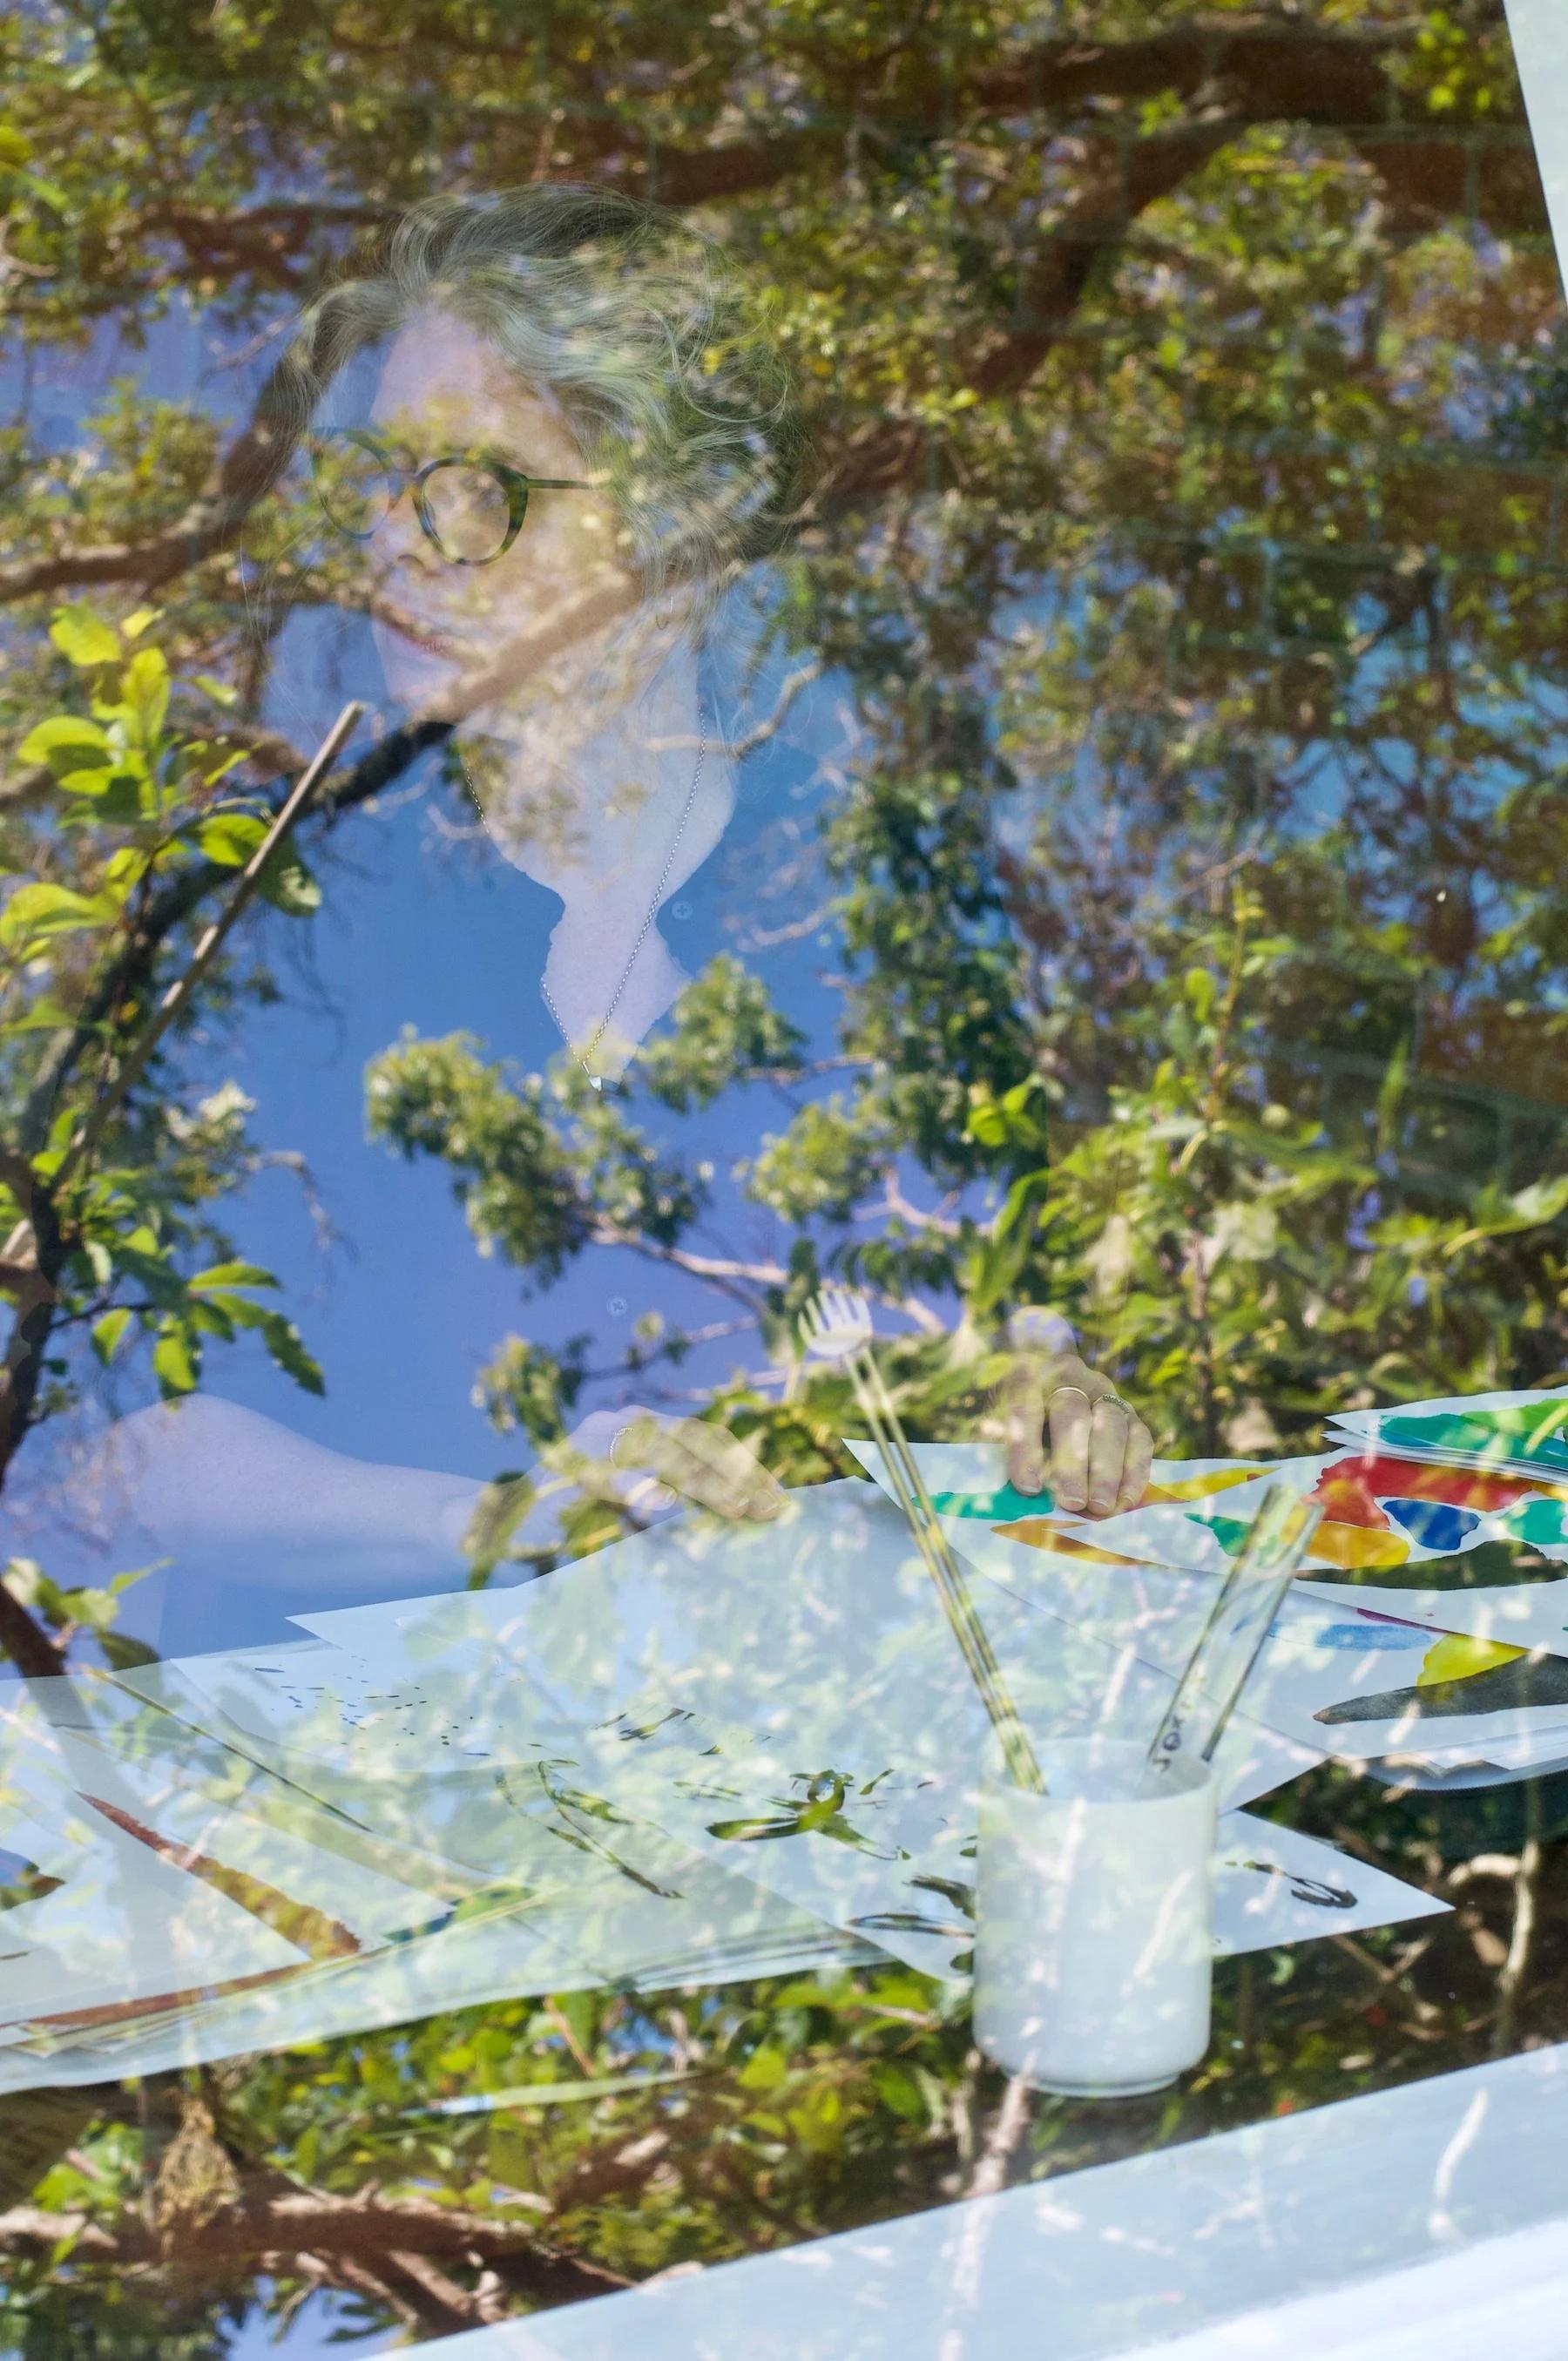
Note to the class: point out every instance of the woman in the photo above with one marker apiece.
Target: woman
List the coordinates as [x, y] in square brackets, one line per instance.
[557, 441]
[548, 422]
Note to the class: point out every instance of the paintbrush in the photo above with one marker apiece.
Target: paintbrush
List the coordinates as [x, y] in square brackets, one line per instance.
[1238, 1623]
[835, 1326]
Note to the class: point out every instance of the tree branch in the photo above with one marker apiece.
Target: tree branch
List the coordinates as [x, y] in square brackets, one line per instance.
[369, 2232]
[714, 1271]
[1232, 72]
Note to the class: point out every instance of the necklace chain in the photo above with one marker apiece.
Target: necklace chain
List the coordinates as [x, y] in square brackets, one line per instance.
[582, 1056]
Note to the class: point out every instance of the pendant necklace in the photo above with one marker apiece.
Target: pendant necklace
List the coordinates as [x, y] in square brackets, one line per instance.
[582, 1056]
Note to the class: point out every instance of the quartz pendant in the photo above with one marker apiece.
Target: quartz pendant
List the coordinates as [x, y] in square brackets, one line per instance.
[597, 1082]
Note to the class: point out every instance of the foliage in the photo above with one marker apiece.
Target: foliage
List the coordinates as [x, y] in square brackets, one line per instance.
[114, 1228]
[1185, 547]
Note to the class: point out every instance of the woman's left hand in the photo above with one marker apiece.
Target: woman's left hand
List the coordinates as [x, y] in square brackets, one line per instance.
[1068, 1427]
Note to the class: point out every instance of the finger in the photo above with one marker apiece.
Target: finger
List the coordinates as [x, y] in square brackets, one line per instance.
[646, 1495]
[1023, 1397]
[1135, 1468]
[1070, 1429]
[686, 1471]
[1108, 1430]
[720, 1473]
[761, 1494]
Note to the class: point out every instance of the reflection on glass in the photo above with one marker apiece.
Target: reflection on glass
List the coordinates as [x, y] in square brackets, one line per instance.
[996, 653]
[595, 439]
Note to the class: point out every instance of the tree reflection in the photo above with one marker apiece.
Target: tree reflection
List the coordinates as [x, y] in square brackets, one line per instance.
[1174, 635]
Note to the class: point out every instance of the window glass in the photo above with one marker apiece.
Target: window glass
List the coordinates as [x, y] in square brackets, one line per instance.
[782, 802]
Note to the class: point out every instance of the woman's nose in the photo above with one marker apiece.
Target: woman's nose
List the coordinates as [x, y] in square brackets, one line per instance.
[397, 540]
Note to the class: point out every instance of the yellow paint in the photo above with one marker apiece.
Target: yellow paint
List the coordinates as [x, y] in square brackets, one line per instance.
[1456, 1657]
[1038, 1533]
[1201, 1488]
[1356, 1546]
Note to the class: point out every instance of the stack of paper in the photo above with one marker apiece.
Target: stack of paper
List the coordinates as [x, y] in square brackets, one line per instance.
[709, 1753]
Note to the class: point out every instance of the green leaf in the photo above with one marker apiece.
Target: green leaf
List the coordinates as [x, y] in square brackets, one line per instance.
[284, 1345]
[46, 1015]
[230, 838]
[233, 1274]
[987, 1125]
[122, 1654]
[122, 797]
[109, 1332]
[288, 884]
[84, 638]
[221, 692]
[209, 1314]
[1200, 988]
[37, 915]
[176, 1358]
[145, 687]
[149, 1266]
[49, 193]
[233, 1311]
[67, 742]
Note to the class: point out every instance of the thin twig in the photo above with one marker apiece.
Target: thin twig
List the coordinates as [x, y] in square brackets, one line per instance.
[181, 990]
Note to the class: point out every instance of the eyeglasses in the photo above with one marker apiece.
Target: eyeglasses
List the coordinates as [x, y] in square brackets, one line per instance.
[470, 504]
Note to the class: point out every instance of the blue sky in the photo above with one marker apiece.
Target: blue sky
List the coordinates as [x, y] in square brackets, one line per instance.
[402, 1311]
[414, 933]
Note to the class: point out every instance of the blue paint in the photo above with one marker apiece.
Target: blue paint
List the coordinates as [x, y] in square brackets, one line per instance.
[1367, 1635]
[1433, 1523]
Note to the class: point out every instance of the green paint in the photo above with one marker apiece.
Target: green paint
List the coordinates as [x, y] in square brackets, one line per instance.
[1545, 1521]
[1529, 1681]
[1001, 1508]
[1533, 1433]
[1229, 1531]
[1493, 1566]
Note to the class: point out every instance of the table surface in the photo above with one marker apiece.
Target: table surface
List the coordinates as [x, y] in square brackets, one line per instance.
[555, 2146]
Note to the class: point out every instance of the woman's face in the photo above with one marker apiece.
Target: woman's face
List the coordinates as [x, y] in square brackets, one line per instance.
[579, 746]
[473, 633]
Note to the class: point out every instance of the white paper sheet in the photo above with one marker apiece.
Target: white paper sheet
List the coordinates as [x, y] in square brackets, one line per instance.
[820, 1670]
[1157, 1610]
[122, 1925]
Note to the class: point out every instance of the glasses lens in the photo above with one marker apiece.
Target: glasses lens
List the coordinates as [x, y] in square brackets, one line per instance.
[468, 510]
[354, 484]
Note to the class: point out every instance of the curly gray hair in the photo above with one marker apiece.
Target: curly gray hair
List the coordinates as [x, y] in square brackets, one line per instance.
[637, 324]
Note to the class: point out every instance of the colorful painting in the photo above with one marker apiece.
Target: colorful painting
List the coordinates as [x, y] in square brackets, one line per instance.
[1462, 1676]
[1522, 1434]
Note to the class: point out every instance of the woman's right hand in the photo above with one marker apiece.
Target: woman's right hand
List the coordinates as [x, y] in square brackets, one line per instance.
[646, 1461]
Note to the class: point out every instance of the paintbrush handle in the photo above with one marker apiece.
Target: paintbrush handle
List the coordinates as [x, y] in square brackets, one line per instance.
[909, 1490]
[1237, 1625]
